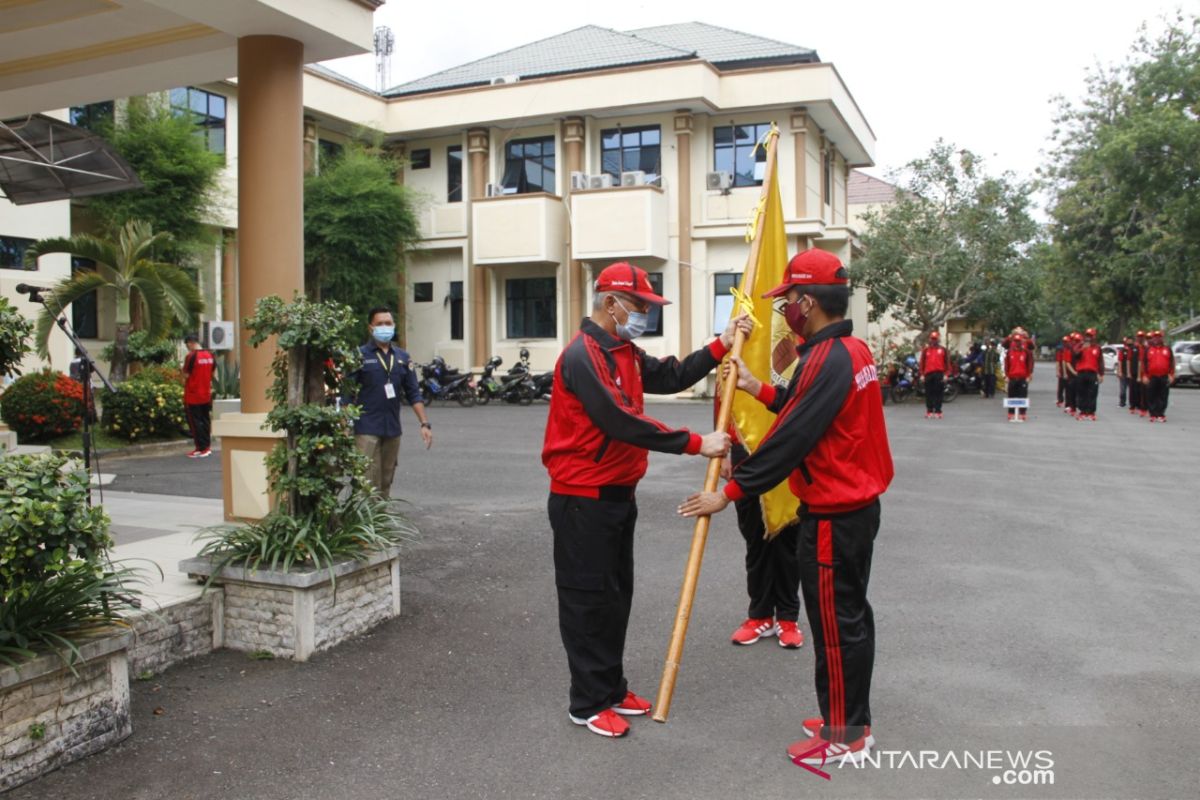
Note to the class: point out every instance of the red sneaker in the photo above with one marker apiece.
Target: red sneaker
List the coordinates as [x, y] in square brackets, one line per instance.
[817, 752]
[789, 635]
[632, 706]
[203, 453]
[754, 629]
[939, 415]
[812, 727]
[607, 723]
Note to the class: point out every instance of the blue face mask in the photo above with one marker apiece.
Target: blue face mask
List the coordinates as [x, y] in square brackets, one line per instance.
[383, 333]
[635, 325]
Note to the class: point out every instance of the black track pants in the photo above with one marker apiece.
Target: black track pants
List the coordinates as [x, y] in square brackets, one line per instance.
[772, 567]
[935, 390]
[1087, 392]
[199, 419]
[835, 566]
[593, 570]
[1156, 396]
[1136, 394]
[1018, 387]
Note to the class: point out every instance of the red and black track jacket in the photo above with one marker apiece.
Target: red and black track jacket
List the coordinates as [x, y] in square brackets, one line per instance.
[1018, 364]
[597, 433]
[1090, 359]
[829, 439]
[1160, 361]
[933, 359]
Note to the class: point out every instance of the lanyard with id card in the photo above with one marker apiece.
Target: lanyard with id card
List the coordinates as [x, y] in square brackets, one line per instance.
[389, 391]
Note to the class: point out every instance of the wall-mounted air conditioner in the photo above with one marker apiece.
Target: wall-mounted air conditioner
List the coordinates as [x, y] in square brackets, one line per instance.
[602, 181]
[493, 190]
[502, 79]
[720, 180]
[579, 180]
[634, 178]
[218, 335]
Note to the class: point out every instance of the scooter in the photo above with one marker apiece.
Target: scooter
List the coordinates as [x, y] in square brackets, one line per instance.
[439, 381]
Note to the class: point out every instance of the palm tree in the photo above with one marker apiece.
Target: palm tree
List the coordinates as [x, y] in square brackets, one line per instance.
[164, 291]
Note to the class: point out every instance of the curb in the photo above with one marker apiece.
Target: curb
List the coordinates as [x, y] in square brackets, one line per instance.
[146, 449]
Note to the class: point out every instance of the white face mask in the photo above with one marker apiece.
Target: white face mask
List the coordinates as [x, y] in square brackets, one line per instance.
[635, 323]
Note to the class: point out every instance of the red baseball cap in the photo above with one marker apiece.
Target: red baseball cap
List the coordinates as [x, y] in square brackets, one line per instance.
[935, 335]
[1141, 334]
[1090, 332]
[815, 267]
[628, 279]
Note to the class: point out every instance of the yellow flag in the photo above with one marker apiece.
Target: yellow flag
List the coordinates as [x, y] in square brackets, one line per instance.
[770, 352]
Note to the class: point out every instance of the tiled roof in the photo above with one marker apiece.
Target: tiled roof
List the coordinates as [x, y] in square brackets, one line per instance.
[593, 48]
[333, 75]
[864, 189]
[580, 50]
[721, 46]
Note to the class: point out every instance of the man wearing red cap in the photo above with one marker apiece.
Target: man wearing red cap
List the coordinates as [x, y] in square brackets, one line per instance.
[1072, 393]
[932, 366]
[1089, 368]
[1018, 369]
[830, 442]
[595, 449]
[1136, 364]
[1062, 357]
[1159, 375]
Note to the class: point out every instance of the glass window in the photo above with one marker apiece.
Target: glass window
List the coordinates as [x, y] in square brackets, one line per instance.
[423, 292]
[722, 299]
[83, 310]
[655, 326]
[631, 149]
[329, 151]
[827, 177]
[454, 173]
[207, 112]
[12, 253]
[530, 306]
[529, 166]
[736, 151]
[93, 116]
[419, 159]
[456, 309]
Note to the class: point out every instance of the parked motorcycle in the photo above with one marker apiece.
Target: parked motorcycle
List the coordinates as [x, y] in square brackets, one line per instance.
[488, 386]
[903, 379]
[438, 381]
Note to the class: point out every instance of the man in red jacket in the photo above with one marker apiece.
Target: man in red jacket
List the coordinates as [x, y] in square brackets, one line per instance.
[1018, 369]
[595, 449]
[932, 366]
[1089, 368]
[1137, 388]
[830, 442]
[197, 395]
[1158, 375]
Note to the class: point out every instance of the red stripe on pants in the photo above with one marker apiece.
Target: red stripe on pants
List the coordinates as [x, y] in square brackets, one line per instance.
[833, 649]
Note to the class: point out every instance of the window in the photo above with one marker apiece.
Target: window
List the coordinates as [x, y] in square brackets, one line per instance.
[530, 308]
[734, 151]
[423, 292]
[207, 112]
[454, 173]
[722, 299]
[630, 149]
[83, 310]
[93, 116]
[12, 253]
[529, 166]
[419, 159]
[655, 325]
[455, 299]
[827, 177]
[329, 151]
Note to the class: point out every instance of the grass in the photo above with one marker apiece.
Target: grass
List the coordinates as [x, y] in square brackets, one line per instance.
[101, 440]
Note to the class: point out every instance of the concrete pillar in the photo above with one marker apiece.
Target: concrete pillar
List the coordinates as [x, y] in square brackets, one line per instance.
[800, 137]
[312, 156]
[477, 283]
[683, 194]
[572, 135]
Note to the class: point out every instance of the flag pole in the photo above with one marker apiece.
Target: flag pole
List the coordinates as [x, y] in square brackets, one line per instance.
[691, 574]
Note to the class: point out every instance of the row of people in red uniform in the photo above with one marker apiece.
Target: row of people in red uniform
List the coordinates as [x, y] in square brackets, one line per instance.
[1146, 367]
[1018, 369]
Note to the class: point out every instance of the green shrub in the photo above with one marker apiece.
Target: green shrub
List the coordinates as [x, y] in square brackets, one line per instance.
[145, 407]
[14, 337]
[144, 349]
[158, 373]
[45, 522]
[42, 406]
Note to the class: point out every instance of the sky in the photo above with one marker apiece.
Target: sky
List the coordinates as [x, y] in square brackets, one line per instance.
[981, 75]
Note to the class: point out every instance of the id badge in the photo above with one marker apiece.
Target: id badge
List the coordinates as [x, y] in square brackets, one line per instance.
[389, 391]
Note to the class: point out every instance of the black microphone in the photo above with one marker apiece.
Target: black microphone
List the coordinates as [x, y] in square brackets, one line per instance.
[25, 288]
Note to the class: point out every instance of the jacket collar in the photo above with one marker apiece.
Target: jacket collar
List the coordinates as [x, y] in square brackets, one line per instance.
[606, 339]
[837, 329]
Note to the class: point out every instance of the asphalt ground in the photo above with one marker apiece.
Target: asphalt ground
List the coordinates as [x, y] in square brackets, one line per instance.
[1035, 589]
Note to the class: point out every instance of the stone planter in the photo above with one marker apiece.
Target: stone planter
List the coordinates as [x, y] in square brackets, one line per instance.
[50, 717]
[295, 614]
[228, 406]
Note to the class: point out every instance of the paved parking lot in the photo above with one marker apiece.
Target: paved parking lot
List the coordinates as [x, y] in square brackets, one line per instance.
[1035, 589]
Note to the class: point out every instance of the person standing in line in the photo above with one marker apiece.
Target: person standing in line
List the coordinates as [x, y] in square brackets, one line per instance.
[1018, 369]
[1137, 388]
[1072, 393]
[932, 367]
[596, 448]
[991, 363]
[380, 381]
[197, 395]
[1159, 375]
[1089, 369]
[1123, 372]
[1062, 355]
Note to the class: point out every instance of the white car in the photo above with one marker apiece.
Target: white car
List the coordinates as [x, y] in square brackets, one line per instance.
[1112, 352]
[1187, 363]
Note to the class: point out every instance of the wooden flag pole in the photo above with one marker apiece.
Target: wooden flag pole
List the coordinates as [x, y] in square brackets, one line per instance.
[691, 573]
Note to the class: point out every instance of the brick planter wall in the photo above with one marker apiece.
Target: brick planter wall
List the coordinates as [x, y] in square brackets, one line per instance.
[79, 713]
[295, 614]
[177, 632]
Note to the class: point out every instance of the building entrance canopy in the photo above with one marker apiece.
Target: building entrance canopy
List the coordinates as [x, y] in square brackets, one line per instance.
[44, 159]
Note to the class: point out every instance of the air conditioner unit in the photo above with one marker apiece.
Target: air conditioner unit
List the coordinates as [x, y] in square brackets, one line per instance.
[493, 190]
[502, 79]
[634, 178]
[579, 180]
[602, 181]
[218, 335]
[721, 180]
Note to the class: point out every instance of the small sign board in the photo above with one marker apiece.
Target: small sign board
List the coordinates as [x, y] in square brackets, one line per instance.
[1016, 402]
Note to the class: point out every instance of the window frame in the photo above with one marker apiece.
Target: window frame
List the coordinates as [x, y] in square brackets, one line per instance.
[532, 326]
[454, 169]
[421, 158]
[655, 325]
[510, 159]
[91, 116]
[206, 122]
[83, 304]
[455, 301]
[622, 147]
[422, 291]
[735, 146]
[723, 300]
[19, 245]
